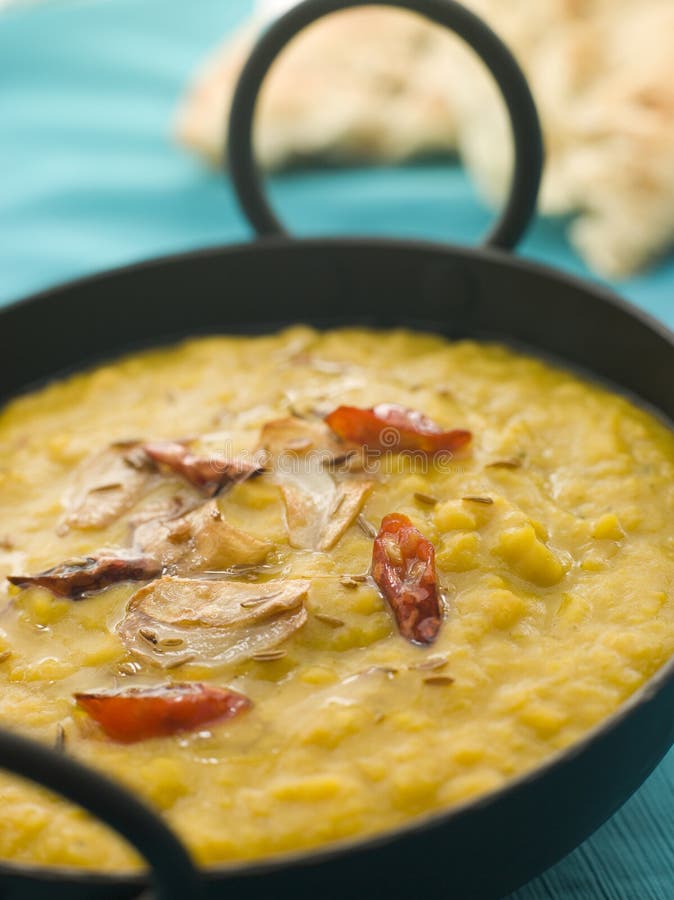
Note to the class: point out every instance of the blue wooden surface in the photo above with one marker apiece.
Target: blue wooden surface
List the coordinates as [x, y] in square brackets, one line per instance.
[91, 179]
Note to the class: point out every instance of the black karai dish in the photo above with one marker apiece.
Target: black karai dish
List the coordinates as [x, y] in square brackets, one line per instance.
[480, 849]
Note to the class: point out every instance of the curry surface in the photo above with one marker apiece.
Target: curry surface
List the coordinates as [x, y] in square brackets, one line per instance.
[559, 594]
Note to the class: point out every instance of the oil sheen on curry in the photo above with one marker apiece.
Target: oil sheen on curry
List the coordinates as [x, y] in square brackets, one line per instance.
[301, 588]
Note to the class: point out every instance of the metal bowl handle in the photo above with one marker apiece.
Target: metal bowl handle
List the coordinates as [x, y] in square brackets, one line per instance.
[526, 130]
[174, 876]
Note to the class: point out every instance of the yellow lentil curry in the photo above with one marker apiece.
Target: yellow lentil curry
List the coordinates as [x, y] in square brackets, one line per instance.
[554, 567]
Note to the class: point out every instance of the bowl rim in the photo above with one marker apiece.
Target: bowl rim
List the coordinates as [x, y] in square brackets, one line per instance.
[281, 243]
[428, 821]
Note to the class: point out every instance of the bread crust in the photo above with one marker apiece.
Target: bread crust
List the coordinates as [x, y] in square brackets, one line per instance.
[384, 85]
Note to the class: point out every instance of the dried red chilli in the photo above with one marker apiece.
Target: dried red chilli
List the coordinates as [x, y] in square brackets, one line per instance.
[208, 473]
[389, 426]
[403, 567]
[136, 714]
[77, 578]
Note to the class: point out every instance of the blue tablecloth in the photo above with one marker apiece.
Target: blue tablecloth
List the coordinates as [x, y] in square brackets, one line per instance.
[92, 179]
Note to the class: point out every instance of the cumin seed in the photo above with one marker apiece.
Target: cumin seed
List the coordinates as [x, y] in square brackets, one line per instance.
[4, 656]
[343, 459]
[392, 550]
[113, 486]
[352, 581]
[348, 583]
[148, 635]
[439, 680]
[268, 655]
[512, 463]
[336, 506]
[299, 444]
[425, 498]
[60, 739]
[256, 601]
[180, 662]
[170, 642]
[77, 562]
[127, 668]
[389, 671]
[427, 665]
[332, 621]
[366, 527]
[487, 501]
[137, 459]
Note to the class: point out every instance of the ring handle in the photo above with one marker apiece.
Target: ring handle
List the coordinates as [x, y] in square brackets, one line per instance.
[528, 141]
[173, 873]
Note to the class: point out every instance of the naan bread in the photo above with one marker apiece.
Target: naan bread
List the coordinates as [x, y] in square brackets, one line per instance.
[385, 85]
[367, 84]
